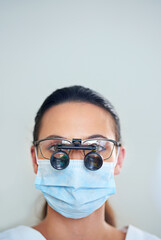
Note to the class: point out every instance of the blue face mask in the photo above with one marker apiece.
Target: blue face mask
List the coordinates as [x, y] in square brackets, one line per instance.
[75, 192]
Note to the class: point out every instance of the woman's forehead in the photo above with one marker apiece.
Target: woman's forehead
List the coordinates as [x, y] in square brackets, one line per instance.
[76, 119]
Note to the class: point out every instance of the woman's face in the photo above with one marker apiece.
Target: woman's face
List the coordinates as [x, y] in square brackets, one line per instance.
[78, 120]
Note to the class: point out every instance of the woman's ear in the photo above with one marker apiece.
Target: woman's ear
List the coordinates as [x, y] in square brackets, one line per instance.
[34, 162]
[120, 161]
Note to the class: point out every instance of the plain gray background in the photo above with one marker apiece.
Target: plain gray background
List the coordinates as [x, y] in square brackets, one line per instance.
[113, 47]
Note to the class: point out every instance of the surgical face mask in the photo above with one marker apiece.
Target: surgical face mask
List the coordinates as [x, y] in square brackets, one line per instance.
[75, 192]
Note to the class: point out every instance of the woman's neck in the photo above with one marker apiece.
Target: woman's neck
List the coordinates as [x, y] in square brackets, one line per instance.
[92, 227]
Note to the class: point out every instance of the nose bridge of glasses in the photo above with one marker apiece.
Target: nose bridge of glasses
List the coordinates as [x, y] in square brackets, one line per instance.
[76, 141]
[76, 152]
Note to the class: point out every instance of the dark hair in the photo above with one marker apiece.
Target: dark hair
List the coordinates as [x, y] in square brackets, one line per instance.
[78, 94]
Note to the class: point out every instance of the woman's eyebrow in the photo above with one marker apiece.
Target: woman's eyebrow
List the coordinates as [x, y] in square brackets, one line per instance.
[54, 136]
[96, 136]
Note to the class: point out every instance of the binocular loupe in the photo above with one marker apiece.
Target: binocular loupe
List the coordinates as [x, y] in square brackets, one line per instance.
[60, 159]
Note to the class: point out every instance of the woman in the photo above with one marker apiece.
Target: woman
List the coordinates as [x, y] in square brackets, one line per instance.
[76, 152]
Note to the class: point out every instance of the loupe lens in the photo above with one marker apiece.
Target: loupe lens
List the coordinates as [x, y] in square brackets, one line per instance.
[59, 160]
[93, 161]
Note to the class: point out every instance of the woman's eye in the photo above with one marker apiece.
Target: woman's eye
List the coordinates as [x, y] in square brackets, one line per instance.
[52, 148]
[100, 148]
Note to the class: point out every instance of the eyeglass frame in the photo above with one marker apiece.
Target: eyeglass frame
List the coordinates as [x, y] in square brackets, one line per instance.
[76, 146]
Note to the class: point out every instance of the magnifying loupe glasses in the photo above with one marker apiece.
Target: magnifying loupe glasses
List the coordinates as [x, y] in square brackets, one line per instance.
[58, 150]
[60, 159]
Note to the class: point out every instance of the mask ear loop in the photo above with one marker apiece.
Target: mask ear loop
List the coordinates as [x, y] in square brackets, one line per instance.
[117, 155]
